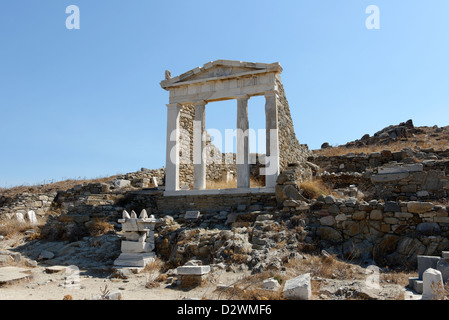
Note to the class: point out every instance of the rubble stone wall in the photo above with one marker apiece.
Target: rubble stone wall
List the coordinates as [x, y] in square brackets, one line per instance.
[24, 202]
[392, 233]
[290, 150]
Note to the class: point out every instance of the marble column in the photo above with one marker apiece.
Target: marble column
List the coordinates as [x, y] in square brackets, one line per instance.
[272, 140]
[172, 151]
[199, 146]
[242, 156]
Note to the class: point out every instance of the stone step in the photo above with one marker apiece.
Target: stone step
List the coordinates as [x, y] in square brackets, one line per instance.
[10, 275]
[416, 285]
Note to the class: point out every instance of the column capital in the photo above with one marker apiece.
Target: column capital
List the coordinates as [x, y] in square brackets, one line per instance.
[243, 97]
[200, 103]
[173, 105]
[271, 93]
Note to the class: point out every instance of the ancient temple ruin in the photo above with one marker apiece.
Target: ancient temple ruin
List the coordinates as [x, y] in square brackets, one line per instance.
[220, 80]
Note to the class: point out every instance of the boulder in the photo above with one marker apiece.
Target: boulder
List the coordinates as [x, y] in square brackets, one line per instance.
[271, 284]
[298, 288]
[122, 183]
[428, 228]
[327, 221]
[328, 233]
[443, 267]
[46, 255]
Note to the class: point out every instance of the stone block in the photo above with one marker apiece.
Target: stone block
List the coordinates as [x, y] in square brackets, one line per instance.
[426, 262]
[298, 288]
[135, 236]
[192, 215]
[441, 219]
[443, 267]
[31, 217]
[432, 279]
[136, 247]
[403, 215]
[391, 220]
[122, 183]
[130, 225]
[271, 284]
[428, 228]
[351, 228]
[134, 259]
[327, 221]
[19, 217]
[329, 233]
[359, 215]
[376, 215]
[415, 284]
[379, 178]
[419, 207]
[193, 270]
[409, 188]
[422, 194]
[391, 206]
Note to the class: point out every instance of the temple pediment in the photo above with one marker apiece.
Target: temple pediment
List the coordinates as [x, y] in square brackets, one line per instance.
[220, 70]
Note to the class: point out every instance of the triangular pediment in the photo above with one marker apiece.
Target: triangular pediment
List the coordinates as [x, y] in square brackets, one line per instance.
[220, 69]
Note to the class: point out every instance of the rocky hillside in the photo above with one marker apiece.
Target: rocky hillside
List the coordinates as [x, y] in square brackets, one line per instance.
[394, 138]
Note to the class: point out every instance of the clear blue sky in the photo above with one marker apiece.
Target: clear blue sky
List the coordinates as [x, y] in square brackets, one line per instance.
[87, 103]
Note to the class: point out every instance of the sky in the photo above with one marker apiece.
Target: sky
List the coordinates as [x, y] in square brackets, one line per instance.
[87, 102]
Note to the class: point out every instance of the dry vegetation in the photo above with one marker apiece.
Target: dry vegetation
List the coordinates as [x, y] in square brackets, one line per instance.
[98, 227]
[314, 187]
[221, 184]
[320, 267]
[440, 292]
[12, 228]
[152, 273]
[51, 187]
[250, 288]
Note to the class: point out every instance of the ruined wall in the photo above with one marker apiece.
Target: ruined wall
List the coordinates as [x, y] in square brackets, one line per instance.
[290, 150]
[392, 176]
[215, 161]
[22, 203]
[391, 233]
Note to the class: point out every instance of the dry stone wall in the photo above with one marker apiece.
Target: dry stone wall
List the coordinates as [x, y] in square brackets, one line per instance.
[390, 233]
[391, 176]
[290, 150]
[41, 204]
[216, 162]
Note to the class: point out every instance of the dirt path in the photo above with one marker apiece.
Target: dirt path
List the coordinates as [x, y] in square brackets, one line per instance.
[54, 286]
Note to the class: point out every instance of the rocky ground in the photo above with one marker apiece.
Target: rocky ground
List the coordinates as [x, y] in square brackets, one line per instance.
[242, 248]
[42, 270]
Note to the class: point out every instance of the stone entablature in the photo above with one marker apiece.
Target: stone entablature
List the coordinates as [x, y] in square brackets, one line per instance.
[222, 80]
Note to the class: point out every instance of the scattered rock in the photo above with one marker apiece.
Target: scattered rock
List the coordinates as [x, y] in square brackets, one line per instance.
[46, 255]
[298, 288]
